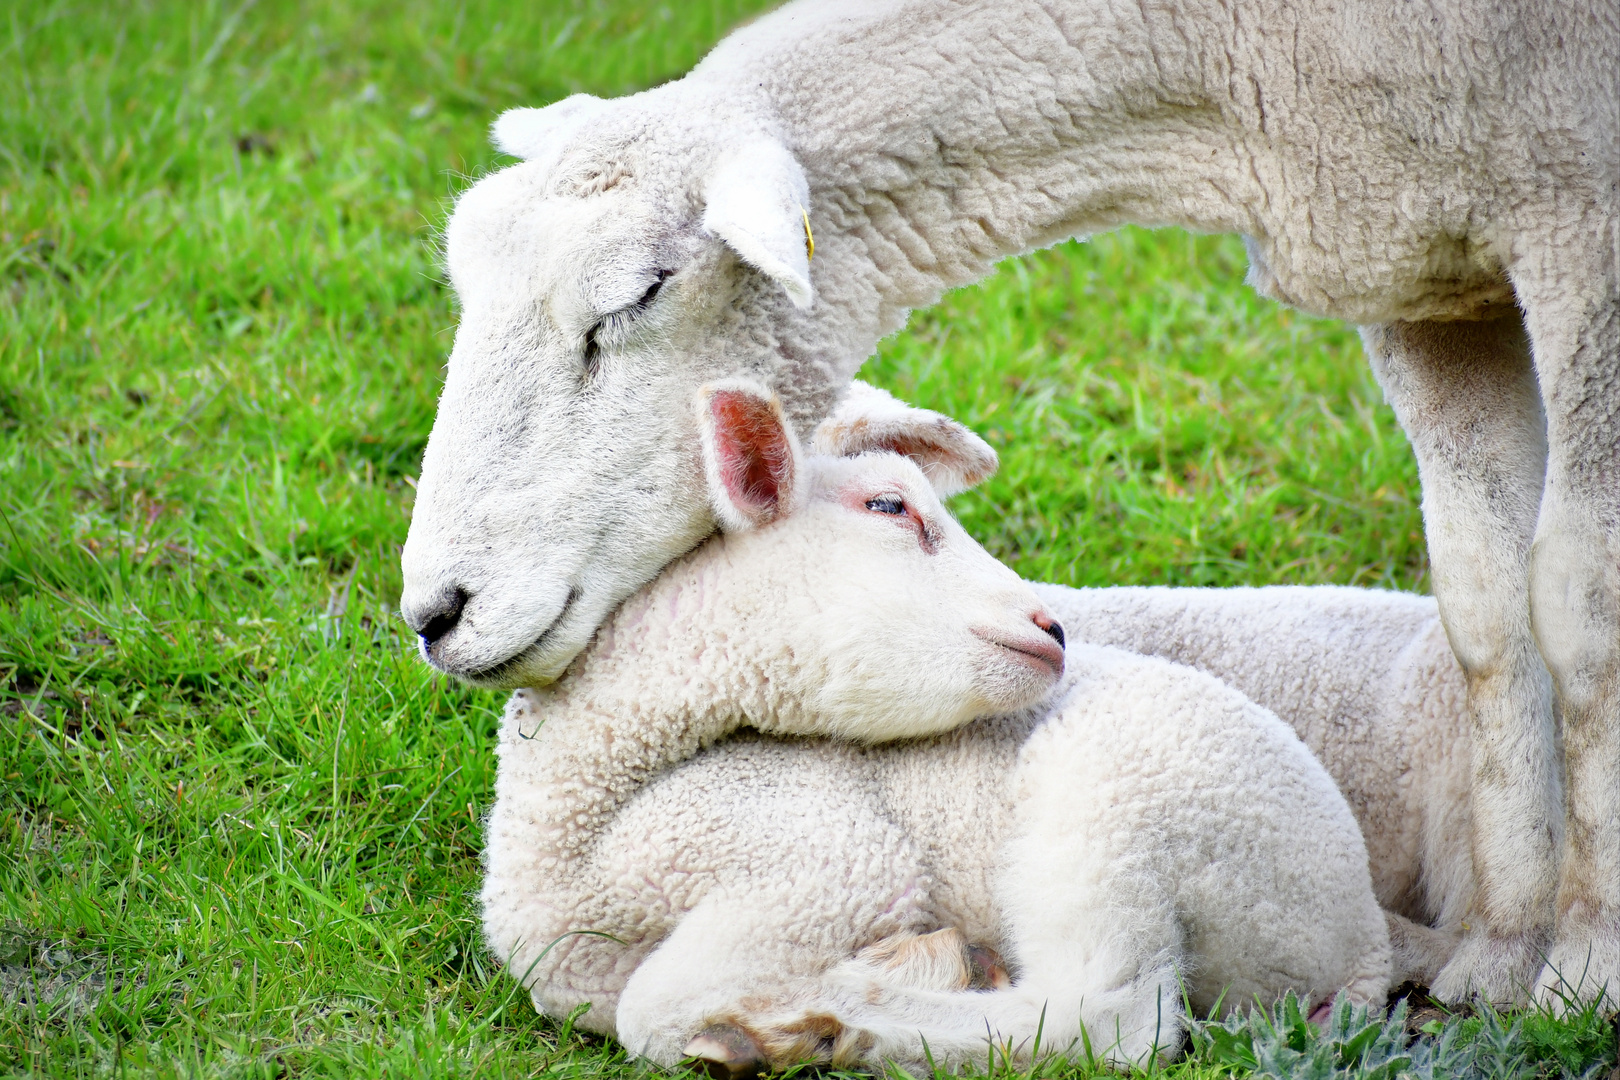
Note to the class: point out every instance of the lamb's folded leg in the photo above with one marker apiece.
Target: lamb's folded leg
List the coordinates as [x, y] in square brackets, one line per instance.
[736, 952]
[864, 1013]
[1466, 394]
[1097, 950]
[942, 960]
[802, 1023]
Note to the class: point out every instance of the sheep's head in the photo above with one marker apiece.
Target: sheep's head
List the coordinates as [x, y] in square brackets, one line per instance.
[640, 252]
[895, 622]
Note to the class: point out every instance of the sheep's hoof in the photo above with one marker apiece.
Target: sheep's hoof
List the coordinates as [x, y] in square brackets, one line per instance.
[989, 972]
[725, 1052]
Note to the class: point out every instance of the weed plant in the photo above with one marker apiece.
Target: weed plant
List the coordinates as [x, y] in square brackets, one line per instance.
[239, 822]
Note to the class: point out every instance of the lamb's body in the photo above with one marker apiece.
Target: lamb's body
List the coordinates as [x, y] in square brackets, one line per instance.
[1366, 679]
[1148, 831]
[1369, 683]
[1121, 830]
[1155, 826]
[777, 857]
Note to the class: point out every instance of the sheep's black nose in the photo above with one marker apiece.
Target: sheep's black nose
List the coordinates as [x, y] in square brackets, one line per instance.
[432, 622]
[1051, 626]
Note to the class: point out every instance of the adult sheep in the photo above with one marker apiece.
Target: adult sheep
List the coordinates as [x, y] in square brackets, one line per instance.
[1148, 837]
[1444, 176]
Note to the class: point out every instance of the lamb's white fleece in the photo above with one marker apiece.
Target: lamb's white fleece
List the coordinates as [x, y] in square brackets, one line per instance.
[1149, 829]
[1368, 681]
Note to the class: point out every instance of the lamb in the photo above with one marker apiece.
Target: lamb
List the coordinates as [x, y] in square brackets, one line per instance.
[1365, 678]
[1145, 832]
[1446, 178]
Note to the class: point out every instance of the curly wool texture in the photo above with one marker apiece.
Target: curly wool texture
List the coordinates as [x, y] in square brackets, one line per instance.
[1443, 173]
[1149, 829]
[1368, 681]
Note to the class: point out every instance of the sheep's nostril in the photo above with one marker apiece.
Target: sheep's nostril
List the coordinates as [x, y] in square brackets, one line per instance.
[444, 619]
[1050, 626]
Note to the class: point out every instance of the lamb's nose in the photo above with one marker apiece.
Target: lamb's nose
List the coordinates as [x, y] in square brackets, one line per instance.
[1050, 626]
[433, 620]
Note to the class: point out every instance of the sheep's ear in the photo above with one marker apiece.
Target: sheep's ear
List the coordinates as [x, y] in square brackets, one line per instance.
[868, 419]
[749, 453]
[757, 201]
[528, 133]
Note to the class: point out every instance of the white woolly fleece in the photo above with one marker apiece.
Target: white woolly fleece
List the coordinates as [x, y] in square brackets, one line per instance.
[1151, 829]
[1369, 683]
[1446, 179]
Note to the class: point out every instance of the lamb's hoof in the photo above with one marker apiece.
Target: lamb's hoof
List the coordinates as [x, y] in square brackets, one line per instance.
[725, 1052]
[989, 972]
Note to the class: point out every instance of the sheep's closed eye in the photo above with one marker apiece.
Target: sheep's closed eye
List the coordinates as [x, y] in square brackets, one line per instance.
[652, 291]
[617, 323]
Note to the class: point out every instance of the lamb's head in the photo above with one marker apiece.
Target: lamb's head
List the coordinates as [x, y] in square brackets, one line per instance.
[642, 250]
[872, 612]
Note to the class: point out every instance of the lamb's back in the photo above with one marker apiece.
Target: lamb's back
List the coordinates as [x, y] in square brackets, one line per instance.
[1364, 676]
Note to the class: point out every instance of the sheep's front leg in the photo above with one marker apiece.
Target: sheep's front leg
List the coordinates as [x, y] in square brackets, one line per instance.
[750, 950]
[682, 1000]
[1569, 287]
[822, 886]
[714, 957]
[734, 1000]
[1467, 397]
[859, 1012]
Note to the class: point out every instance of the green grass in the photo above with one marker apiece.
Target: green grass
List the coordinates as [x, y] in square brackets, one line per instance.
[239, 823]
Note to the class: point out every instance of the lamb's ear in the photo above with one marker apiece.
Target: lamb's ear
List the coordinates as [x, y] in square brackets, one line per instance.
[527, 133]
[752, 460]
[756, 199]
[868, 419]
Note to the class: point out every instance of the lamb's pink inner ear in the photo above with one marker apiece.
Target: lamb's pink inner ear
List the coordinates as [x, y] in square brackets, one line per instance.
[752, 451]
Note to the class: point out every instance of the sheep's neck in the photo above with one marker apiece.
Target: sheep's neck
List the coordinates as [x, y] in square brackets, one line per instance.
[959, 150]
[661, 681]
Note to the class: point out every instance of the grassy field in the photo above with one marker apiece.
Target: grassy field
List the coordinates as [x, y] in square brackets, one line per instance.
[239, 822]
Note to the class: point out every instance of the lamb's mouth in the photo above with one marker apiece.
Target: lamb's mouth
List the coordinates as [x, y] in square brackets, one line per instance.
[495, 674]
[1045, 653]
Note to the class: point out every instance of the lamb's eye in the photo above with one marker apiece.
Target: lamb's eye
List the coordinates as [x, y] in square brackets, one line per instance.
[887, 504]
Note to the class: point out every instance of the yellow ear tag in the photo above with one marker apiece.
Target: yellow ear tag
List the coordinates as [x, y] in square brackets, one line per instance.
[809, 237]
